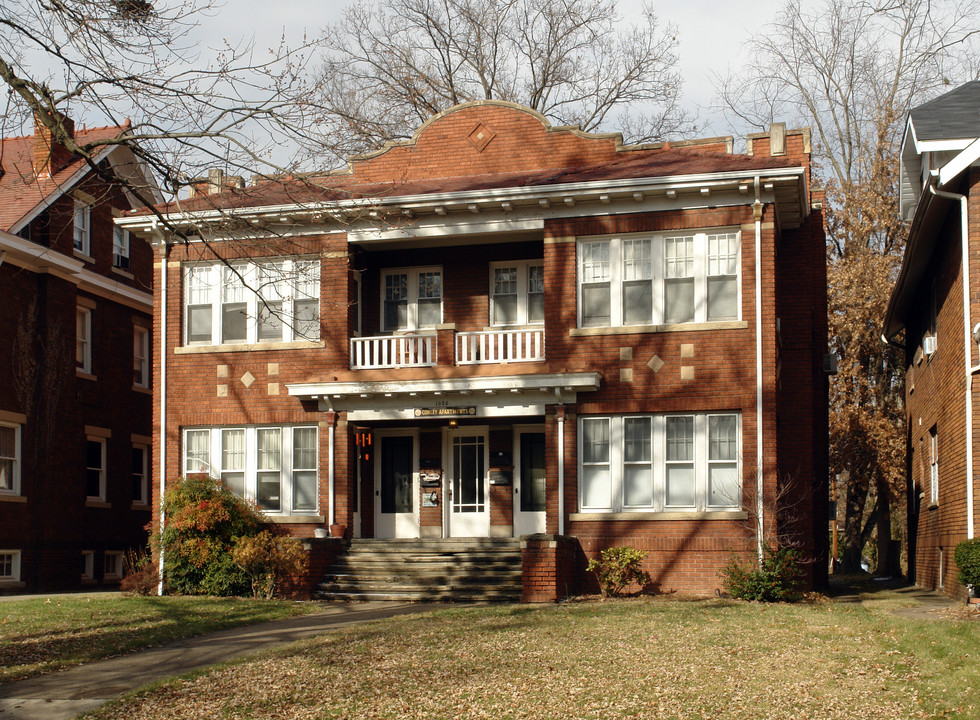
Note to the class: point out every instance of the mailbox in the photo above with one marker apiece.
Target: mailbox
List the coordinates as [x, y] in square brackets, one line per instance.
[430, 477]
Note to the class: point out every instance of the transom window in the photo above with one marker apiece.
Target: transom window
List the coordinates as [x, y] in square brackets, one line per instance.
[275, 467]
[267, 301]
[9, 459]
[659, 462]
[658, 279]
[517, 293]
[411, 298]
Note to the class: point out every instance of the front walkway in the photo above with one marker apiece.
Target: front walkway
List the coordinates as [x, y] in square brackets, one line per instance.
[65, 694]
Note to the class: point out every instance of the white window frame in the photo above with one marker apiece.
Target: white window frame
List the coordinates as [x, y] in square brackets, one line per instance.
[412, 299]
[141, 474]
[82, 227]
[215, 285]
[83, 339]
[617, 464]
[88, 565]
[523, 293]
[120, 247]
[617, 274]
[102, 469]
[15, 461]
[117, 566]
[141, 357]
[288, 474]
[934, 465]
[11, 559]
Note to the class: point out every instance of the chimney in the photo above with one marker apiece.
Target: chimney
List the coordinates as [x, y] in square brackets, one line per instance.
[50, 156]
[216, 182]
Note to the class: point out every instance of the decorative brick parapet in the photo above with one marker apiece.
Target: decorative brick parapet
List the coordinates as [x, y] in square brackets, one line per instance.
[547, 567]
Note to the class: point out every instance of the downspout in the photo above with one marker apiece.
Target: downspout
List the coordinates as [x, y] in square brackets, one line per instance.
[967, 347]
[331, 476]
[162, 345]
[760, 522]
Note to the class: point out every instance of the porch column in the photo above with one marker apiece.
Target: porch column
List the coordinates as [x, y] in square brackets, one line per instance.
[331, 499]
[560, 417]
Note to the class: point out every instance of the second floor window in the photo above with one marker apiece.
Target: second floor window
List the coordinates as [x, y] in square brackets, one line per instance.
[252, 302]
[82, 228]
[411, 298]
[120, 248]
[658, 279]
[517, 293]
[141, 357]
[83, 339]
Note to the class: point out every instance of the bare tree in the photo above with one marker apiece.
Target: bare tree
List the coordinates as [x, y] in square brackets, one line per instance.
[388, 67]
[851, 71]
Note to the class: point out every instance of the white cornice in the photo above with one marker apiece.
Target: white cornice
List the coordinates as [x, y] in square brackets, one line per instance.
[583, 381]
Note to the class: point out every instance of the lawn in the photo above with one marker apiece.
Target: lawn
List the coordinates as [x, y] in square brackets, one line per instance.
[638, 658]
[40, 635]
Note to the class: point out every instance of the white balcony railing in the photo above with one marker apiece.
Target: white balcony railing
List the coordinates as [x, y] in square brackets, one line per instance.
[497, 346]
[392, 351]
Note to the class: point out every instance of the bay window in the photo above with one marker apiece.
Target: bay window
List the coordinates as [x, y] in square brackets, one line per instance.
[654, 279]
[275, 467]
[653, 463]
[252, 302]
[517, 293]
[411, 298]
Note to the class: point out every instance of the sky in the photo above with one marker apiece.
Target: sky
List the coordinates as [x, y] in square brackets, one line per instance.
[711, 34]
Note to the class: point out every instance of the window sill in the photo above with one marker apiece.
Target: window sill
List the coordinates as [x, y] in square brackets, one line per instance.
[296, 519]
[96, 503]
[4, 497]
[255, 347]
[12, 584]
[120, 271]
[659, 516]
[82, 256]
[679, 327]
[85, 375]
[142, 389]
[140, 506]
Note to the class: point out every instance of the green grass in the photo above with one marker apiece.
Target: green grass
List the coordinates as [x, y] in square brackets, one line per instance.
[642, 658]
[41, 635]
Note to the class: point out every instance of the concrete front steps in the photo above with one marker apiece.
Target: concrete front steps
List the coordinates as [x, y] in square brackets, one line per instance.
[448, 570]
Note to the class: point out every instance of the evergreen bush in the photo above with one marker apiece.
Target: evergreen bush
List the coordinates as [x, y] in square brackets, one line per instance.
[967, 558]
[776, 579]
[617, 567]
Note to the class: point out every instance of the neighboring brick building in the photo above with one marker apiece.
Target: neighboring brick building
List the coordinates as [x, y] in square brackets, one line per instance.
[75, 403]
[940, 196]
[501, 328]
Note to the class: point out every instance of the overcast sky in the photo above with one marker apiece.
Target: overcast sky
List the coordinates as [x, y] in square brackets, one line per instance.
[711, 35]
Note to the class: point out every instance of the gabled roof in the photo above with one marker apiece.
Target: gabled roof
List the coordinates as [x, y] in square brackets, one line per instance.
[951, 116]
[22, 191]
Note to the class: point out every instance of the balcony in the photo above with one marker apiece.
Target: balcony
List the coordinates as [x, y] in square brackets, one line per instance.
[392, 351]
[499, 346]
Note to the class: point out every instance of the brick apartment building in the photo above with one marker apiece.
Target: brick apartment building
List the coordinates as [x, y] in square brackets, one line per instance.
[502, 329]
[940, 196]
[75, 339]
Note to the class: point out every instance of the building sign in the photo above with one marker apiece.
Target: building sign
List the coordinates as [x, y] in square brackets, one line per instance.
[444, 412]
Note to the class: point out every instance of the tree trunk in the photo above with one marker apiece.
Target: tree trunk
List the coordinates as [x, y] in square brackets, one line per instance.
[852, 542]
[883, 523]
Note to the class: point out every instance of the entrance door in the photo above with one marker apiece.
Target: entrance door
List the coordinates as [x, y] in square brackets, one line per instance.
[396, 488]
[529, 482]
[469, 507]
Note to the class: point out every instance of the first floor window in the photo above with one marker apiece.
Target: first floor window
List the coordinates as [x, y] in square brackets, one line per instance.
[95, 468]
[659, 462]
[88, 565]
[83, 339]
[112, 568]
[276, 467]
[9, 459]
[9, 565]
[139, 475]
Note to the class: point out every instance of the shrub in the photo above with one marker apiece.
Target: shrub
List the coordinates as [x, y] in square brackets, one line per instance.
[617, 567]
[775, 580]
[268, 559]
[967, 557]
[203, 522]
[140, 575]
